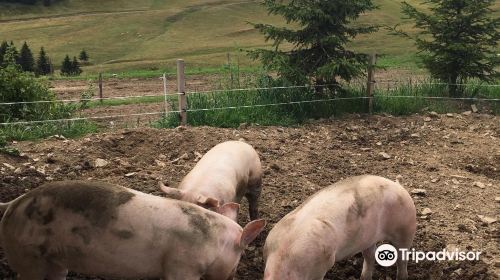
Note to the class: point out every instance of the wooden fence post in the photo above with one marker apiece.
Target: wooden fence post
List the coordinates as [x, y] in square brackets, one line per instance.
[370, 86]
[165, 93]
[181, 89]
[230, 70]
[100, 87]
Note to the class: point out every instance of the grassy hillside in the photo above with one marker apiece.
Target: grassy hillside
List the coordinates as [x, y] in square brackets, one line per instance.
[127, 34]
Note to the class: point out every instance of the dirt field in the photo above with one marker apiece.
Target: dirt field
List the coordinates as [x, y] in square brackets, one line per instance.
[456, 159]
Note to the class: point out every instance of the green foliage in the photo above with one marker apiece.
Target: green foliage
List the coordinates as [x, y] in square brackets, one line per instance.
[87, 94]
[26, 60]
[84, 56]
[458, 40]
[43, 65]
[3, 50]
[20, 87]
[66, 67]
[70, 67]
[318, 32]
[69, 129]
[75, 67]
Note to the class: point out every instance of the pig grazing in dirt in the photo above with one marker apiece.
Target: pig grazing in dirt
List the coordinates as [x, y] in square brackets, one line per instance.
[224, 174]
[346, 218]
[110, 231]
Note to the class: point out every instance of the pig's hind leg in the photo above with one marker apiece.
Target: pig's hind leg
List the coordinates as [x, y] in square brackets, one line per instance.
[403, 242]
[56, 272]
[368, 263]
[32, 271]
[252, 195]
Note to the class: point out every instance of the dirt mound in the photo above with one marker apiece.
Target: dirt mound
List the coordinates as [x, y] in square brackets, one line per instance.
[455, 159]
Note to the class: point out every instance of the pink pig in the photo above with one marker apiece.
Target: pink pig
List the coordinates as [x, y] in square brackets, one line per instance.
[349, 217]
[111, 231]
[224, 174]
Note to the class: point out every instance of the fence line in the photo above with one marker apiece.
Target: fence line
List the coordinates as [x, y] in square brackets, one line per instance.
[87, 99]
[251, 106]
[440, 97]
[417, 83]
[276, 104]
[88, 118]
[208, 91]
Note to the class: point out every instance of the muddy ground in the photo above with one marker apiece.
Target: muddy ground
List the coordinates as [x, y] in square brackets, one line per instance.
[455, 158]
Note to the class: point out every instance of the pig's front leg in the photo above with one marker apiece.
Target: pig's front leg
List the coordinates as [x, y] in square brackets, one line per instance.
[252, 196]
[368, 263]
[56, 272]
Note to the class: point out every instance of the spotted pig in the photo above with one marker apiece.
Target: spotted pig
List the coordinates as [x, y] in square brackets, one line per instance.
[105, 230]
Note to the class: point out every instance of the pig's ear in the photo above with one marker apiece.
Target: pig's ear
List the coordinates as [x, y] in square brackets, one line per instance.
[251, 231]
[229, 210]
[171, 192]
[208, 202]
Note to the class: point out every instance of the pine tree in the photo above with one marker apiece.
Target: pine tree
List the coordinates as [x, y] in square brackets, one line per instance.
[3, 50]
[84, 56]
[43, 65]
[75, 67]
[66, 67]
[14, 51]
[457, 40]
[26, 59]
[318, 33]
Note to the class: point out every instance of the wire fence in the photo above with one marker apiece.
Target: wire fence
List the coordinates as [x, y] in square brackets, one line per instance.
[250, 90]
[239, 90]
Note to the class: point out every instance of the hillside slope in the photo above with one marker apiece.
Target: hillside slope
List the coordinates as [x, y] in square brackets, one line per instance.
[128, 34]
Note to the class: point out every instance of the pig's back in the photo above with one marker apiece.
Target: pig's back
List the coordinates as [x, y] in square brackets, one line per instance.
[362, 210]
[120, 230]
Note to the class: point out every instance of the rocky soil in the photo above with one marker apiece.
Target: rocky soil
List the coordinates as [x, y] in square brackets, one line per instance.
[450, 163]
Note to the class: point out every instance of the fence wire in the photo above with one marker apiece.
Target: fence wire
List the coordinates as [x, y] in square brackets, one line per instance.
[216, 91]
[248, 106]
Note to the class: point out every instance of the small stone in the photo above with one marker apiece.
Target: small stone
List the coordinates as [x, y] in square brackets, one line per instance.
[415, 135]
[467, 113]
[458, 272]
[450, 115]
[160, 163]
[426, 211]
[384, 155]
[474, 108]
[9, 166]
[100, 163]
[128, 175]
[421, 192]
[180, 128]
[433, 114]
[275, 167]
[243, 126]
[379, 143]
[497, 199]
[280, 129]
[479, 185]
[435, 180]
[427, 119]
[487, 220]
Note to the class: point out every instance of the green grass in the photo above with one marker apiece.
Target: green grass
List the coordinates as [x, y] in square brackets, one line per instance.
[287, 107]
[70, 129]
[141, 37]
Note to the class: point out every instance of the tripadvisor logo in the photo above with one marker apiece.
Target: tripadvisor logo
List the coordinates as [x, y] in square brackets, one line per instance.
[387, 255]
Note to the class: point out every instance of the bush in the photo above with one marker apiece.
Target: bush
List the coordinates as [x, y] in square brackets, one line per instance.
[17, 86]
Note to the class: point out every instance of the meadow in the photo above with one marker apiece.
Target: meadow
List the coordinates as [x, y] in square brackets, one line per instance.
[137, 36]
